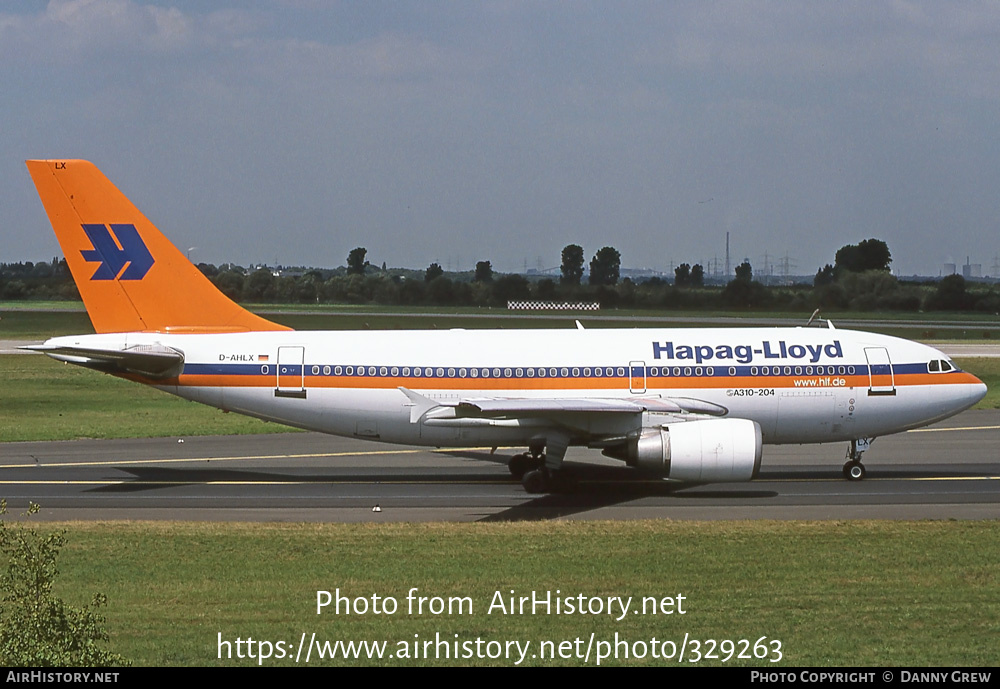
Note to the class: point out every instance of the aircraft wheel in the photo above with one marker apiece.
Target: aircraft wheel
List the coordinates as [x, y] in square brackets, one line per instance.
[519, 465]
[536, 481]
[854, 471]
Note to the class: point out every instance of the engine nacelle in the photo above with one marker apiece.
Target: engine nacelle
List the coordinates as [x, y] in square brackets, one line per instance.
[709, 450]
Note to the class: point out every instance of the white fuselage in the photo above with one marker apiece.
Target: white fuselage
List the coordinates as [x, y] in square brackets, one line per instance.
[801, 385]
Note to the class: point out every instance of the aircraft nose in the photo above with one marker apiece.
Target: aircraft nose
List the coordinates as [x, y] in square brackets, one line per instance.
[977, 391]
[973, 389]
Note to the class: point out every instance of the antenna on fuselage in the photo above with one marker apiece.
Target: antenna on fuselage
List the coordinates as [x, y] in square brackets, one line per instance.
[813, 317]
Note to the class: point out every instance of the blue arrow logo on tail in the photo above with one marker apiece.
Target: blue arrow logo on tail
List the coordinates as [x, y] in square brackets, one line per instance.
[106, 251]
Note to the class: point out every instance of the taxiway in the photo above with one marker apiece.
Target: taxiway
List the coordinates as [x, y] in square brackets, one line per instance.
[951, 470]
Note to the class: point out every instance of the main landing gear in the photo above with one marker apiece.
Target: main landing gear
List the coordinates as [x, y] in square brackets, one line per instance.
[525, 463]
[854, 470]
[538, 470]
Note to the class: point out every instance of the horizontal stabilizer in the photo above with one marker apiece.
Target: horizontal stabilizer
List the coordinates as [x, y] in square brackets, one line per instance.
[152, 361]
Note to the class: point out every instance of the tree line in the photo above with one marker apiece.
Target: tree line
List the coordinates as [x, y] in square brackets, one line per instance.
[859, 280]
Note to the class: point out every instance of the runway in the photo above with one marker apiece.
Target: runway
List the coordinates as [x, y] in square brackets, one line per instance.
[948, 471]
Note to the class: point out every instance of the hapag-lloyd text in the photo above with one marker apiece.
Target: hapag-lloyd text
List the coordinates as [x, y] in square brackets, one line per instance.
[744, 353]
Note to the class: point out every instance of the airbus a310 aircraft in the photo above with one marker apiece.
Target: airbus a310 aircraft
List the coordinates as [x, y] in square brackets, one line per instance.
[692, 405]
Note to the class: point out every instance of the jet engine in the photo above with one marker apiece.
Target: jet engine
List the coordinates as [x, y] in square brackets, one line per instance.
[707, 450]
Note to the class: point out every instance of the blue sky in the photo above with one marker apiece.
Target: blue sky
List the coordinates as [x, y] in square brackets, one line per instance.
[293, 131]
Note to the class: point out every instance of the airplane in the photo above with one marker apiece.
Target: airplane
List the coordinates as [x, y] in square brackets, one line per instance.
[686, 405]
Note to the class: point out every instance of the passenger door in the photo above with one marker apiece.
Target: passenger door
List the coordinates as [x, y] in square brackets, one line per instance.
[291, 372]
[880, 376]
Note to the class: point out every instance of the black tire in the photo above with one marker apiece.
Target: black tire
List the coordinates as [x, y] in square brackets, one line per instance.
[855, 471]
[536, 481]
[518, 465]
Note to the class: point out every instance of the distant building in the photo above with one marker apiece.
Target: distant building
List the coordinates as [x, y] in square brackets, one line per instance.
[972, 270]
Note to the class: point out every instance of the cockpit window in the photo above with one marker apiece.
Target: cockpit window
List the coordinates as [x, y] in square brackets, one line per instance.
[941, 366]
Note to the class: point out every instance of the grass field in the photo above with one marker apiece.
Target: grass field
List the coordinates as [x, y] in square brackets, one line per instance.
[833, 593]
[42, 324]
[43, 399]
[49, 319]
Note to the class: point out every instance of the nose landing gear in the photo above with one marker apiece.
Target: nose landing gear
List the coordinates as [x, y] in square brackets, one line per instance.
[854, 470]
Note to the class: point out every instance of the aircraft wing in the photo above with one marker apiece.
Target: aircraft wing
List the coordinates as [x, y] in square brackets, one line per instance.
[152, 361]
[499, 405]
[676, 405]
[427, 409]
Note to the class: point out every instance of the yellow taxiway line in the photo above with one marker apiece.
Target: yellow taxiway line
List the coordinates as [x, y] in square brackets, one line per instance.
[172, 460]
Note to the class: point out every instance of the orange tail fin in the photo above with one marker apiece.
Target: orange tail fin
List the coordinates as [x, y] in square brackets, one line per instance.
[130, 276]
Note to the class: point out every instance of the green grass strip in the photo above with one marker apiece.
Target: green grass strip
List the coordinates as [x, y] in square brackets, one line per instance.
[834, 593]
[44, 399]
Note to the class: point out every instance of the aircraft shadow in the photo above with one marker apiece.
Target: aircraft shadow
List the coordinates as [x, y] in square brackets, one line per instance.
[157, 478]
[588, 487]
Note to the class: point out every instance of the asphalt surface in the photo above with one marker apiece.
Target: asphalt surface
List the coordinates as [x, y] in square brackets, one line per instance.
[951, 470]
